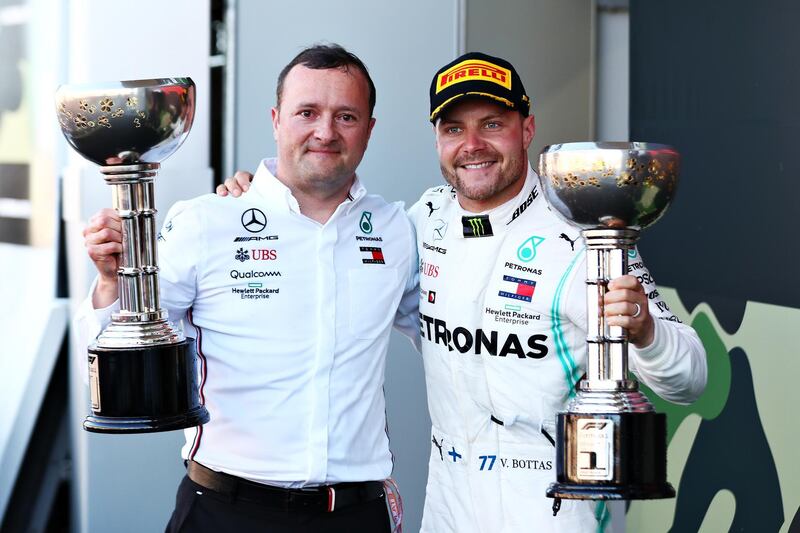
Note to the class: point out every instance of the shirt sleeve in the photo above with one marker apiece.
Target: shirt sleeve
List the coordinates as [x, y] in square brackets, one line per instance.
[674, 365]
[407, 318]
[87, 324]
[181, 249]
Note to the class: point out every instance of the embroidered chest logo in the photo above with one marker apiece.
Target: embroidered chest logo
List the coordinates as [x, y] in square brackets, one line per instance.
[242, 255]
[365, 224]
[477, 226]
[439, 229]
[431, 208]
[371, 255]
[254, 220]
[570, 241]
[517, 288]
[527, 250]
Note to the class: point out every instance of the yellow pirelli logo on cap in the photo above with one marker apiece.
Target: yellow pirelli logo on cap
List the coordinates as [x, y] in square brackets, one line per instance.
[474, 69]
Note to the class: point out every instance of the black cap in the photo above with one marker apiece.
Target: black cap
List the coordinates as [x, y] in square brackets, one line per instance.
[481, 76]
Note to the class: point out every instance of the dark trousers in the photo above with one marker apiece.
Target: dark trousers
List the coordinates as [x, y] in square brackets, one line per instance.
[199, 510]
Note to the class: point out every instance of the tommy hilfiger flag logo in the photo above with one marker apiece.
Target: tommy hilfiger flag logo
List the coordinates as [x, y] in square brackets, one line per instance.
[518, 288]
[371, 255]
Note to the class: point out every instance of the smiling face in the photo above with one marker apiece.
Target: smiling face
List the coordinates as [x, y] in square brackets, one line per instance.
[483, 152]
[322, 128]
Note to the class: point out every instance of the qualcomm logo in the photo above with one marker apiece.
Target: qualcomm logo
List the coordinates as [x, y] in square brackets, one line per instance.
[527, 250]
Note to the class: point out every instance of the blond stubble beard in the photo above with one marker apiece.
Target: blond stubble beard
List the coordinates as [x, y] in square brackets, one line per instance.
[506, 179]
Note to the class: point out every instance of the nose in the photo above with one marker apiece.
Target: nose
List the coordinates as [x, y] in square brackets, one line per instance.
[473, 141]
[325, 130]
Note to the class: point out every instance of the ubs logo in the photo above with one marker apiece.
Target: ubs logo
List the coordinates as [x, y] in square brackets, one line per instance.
[428, 269]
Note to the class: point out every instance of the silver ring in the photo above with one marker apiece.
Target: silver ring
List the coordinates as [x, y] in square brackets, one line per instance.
[638, 311]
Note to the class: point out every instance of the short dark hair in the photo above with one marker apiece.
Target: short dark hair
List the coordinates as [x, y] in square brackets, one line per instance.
[326, 56]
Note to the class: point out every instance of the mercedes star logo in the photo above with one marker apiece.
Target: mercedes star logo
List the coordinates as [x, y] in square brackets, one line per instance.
[254, 220]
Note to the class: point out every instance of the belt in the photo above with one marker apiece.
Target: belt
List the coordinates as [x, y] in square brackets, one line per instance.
[321, 499]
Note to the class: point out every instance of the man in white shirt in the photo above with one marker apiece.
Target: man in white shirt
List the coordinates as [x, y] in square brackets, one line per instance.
[291, 291]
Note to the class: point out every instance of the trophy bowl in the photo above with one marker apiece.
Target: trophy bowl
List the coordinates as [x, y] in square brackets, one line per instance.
[609, 184]
[127, 122]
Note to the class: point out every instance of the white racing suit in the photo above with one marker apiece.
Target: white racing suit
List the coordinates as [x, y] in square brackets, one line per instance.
[503, 324]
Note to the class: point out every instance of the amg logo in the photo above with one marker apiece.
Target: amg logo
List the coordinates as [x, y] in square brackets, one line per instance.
[264, 238]
[434, 248]
[480, 342]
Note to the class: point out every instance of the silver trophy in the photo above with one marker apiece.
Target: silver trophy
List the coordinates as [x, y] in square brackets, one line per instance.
[611, 443]
[142, 371]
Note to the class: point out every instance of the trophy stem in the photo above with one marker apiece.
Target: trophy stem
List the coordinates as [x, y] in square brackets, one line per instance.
[607, 359]
[140, 320]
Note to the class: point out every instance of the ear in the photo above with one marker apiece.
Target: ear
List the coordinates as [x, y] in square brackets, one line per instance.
[275, 122]
[369, 128]
[528, 130]
[435, 136]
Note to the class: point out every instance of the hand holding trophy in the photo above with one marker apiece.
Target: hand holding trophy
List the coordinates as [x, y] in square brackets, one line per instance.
[142, 370]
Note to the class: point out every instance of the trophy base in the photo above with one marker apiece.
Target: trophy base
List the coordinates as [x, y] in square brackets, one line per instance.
[611, 456]
[144, 389]
[109, 424]
[569, 491]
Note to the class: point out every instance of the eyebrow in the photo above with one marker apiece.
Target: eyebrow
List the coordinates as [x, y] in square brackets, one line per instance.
[312, 105]
[490, 116]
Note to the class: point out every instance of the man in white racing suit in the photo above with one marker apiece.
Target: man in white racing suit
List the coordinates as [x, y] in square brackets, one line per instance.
[503, 315]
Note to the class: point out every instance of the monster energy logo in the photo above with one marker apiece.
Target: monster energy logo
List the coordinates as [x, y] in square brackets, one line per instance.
[478, 226]
[366, 224]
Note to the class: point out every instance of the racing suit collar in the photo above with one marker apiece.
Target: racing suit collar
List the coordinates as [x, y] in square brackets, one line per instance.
[280, 196]
[503, 215]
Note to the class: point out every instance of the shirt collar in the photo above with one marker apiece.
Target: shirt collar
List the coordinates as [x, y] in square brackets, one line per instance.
[278, 195]
[497, 220]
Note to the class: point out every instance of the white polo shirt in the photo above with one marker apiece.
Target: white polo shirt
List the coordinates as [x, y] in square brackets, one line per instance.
[292, 321]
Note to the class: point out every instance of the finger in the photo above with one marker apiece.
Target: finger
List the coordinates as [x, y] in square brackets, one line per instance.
[102, 236]
[233, 187]
[105, 218]
[622, 309]
[104, 252]
[221, 190]
[622, 295]
[623, 321]
[625, 282]
[243, 179]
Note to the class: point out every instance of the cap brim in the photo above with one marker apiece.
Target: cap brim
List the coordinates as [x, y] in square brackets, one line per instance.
[475, 94]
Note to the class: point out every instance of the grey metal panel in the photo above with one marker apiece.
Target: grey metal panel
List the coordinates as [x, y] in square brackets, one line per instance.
[551, 43]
